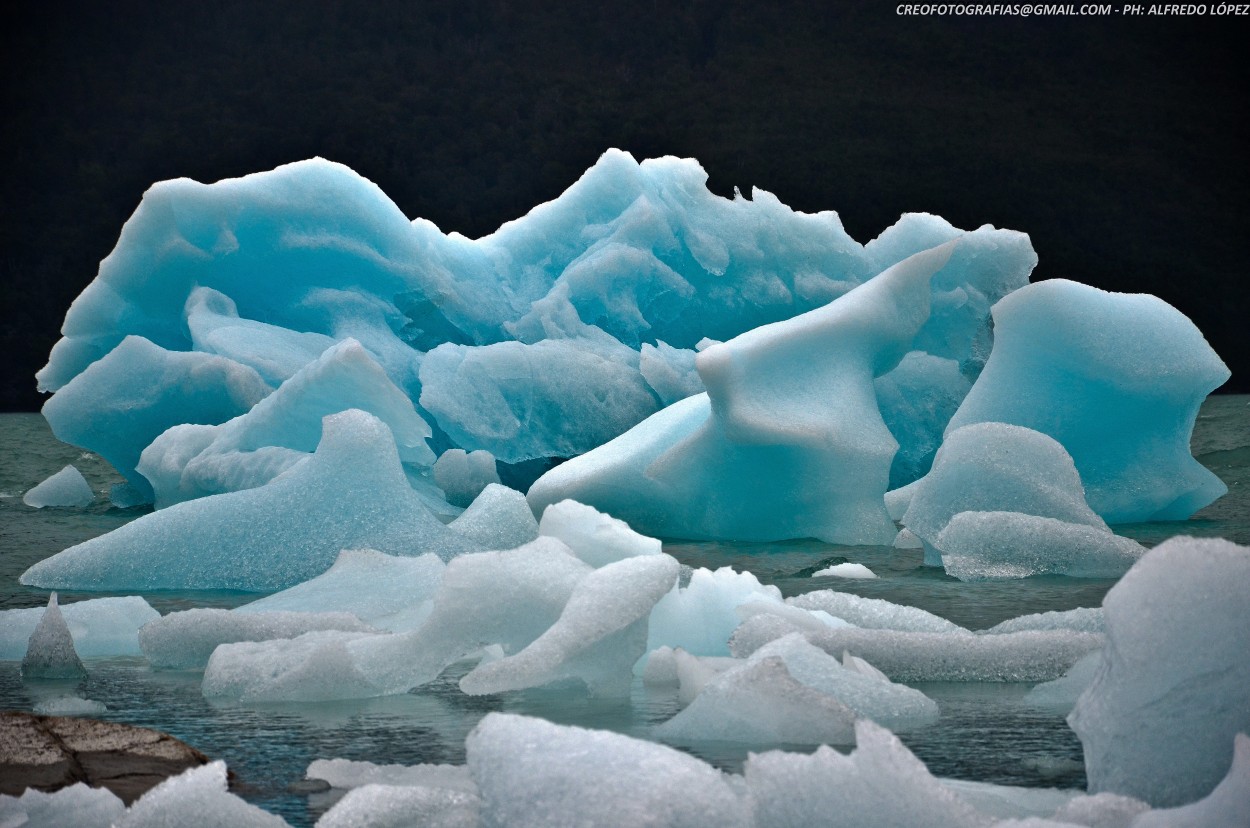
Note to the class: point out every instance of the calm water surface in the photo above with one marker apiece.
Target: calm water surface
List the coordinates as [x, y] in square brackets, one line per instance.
[985, 732]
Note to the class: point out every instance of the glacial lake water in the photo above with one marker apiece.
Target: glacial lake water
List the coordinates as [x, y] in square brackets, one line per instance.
[985, 733]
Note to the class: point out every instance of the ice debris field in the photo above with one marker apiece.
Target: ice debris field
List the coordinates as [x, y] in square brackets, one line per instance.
[436, 459]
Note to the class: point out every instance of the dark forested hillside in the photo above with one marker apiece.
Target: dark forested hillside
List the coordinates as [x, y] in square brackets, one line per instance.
[1118, 144]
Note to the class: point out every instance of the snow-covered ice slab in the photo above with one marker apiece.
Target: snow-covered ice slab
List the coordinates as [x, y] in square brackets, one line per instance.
[66, 488]
[788, 442]
[1159, 719]
[101, 627]
[350, 494]
[1117, 379]
[185, 640]
[928, 656]
[534, 773]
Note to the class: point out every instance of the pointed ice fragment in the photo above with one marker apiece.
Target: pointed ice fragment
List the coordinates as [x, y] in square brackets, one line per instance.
[50, 653]
[65, 488]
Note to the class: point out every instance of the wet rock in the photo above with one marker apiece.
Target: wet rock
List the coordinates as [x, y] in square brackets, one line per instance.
[51, 752]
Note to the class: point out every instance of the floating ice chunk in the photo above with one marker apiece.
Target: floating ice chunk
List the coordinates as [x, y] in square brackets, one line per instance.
[65, 488]
[1010, 802]
[873, 613]
[196, 797]
[845, 570]
[760, 703]
[70, 706]
[50, 650]
[1082, 619]
[121, 403]
[1104, 810]
[463, 475]
[385, 591]
[789, 437]
[350, 494]
[126, 496]
[1227, 805]
[192, 461]
[389, 806]
[534, 773]
[1159, 719]
[77, 805]
[881, 783]
[316, 666]
[701, 616]
[917, 400]
[1115, 378]
[980, 546]
[554, 398]
[601, 632]
[907, 539]
[858, 665]
[670, 372]
[498, 518]
[346, 774]
[898, 500]
[100, 627]
[185, 640]
[996, 467]
[1061, 694]
[596, 538]
[925, 656]
[800, 618]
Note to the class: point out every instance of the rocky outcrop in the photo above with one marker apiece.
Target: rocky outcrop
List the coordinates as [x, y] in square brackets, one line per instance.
[52, 752]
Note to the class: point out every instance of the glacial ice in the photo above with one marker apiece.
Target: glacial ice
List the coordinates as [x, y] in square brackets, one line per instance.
[788, 440]
[1082, 619]
[391, 806]
[498, 518]
[1227, 805]
[346, 774]
[1062, 693]
[1158, 722]
[873, 613]
[534, 773]
[196, 797]
[70, 706]
[350, 494]
[387, 592]
[77, 805]
[185, 640]
[978, 546]
[65, 488]
[119, 404]
[101, 627]
[1033, 655]
[917, 400]
[463, 475]
[50, 650]
[596, 538]
[190, 461]
[845, 570]
[995, 467]
[1115, 378]
[701, 616]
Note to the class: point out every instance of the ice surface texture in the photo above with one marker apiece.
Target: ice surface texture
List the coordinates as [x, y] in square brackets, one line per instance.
[1115, 378]
[50, 652]
[65, 488]
[351, 493]
[1159, 719]
[545, 338]
[787, 442]
[101, 627]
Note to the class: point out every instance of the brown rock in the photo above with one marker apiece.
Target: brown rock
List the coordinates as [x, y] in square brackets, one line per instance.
[52, 752]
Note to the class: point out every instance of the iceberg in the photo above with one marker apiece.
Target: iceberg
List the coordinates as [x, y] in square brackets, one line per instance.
[50, 652]
[77, 805]
[787, 442]
[701, 616]
[1117, 380]
[873, 613]
[65, 488]
[101, 627]
[1227, 804]
[596, 538]
[350, 494]
[393, 806]
[1159, 720]
[498, 518]
[463, 475]
[198, 796]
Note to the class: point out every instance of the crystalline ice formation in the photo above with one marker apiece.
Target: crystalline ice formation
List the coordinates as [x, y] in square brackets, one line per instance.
[190, 461]
[1082, 619]
[351, 493]
[1159, 719]
[788, 441]
[873, 613]
[701, 616]
[596, 538]
[100, 627]
[346, 774]
[65, 488]
[622, 275]
[498, 518]
[1228, 804]
[77, 805]
[926, 656]
[392, 806]
[1115, 378]
[1013, 473]
[1062, 693]
[117, 405]
[534, 773]
[463, 475]
[385, 591]
[50, 651]
[196, 797]
[185, 640]
[845, 570]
